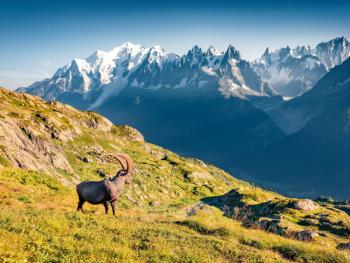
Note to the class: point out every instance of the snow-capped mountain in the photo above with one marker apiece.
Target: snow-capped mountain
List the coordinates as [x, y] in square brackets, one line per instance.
[291, 72]
[99, 71]
[333, 52]
[104, 74]
[288, 72]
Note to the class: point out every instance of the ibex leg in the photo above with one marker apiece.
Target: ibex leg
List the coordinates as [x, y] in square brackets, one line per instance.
[80, 206]
[105, 204]
[113, 207]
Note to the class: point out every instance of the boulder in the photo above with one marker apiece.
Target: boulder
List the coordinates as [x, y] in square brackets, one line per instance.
[128, 132]
[344, 246]
[193, 210]
[306, 235]
[304, 204]
[272, 225]
[86, 159]
[97, 121]
[101, 173]
[154, 203]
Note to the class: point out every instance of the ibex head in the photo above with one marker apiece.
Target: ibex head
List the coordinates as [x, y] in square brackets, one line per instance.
[126, 164]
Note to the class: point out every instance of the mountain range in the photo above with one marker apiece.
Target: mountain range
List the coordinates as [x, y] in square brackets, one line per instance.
[211, 104]
[292, 71]
[103, 75]
[287, 72]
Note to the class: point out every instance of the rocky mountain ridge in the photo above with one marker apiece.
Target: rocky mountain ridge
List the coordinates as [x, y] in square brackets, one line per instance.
[291, 72]
[104, 74]
[286, 72]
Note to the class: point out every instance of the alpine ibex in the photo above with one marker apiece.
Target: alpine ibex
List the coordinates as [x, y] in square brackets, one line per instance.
[106, 191]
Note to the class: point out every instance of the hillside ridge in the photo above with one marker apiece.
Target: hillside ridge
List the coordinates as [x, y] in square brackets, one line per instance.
[176, 209]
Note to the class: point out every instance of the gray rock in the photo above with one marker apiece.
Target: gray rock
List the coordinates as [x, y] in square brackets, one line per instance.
[304, 204]
[344, 246]
[101, 173]
[271, 225]
[306, 235]
[154, 203]
[86, 159]
[193, 210]
[26, 148]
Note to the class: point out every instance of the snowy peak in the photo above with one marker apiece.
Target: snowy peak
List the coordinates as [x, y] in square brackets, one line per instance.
[132, 53]
[272, 57]
[280, 55]
[301, 51]
[213, 52]
[292, 71]
[266, 53]
[127, 48]
[333, 52]
[194, 57]
[231, 53]
[196, 50]
[75, 66]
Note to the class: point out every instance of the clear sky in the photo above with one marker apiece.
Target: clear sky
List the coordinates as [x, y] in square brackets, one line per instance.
[37, 37]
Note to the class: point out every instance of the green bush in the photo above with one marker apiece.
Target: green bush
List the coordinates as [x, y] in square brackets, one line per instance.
[289, 252]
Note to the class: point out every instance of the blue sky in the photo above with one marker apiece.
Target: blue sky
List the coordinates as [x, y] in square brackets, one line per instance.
[39, 36]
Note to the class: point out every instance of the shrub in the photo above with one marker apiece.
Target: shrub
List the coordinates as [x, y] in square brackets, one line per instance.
[289, 252]
[24, 199]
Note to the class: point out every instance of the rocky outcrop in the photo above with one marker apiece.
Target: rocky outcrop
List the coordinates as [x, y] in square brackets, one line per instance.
[277, 226]
[86, 159]
[307, 235]
[32, 132]
[96, 121]
[26, 149]
[344, 246]
[304, 204]
[128, 133]
[194, 209]
[271, 225]
[278, 215]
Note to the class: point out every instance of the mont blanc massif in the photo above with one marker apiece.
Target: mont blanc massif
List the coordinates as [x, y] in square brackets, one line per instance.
[282, 120]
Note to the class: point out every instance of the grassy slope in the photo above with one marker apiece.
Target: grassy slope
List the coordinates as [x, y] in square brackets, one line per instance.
[38, 221]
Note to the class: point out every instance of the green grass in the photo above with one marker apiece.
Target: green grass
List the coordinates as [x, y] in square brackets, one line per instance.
[39, 222]
[4, 161]
[200, 228]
